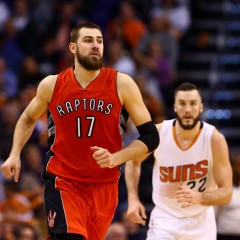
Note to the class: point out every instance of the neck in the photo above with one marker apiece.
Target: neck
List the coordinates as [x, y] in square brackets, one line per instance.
[84, 76]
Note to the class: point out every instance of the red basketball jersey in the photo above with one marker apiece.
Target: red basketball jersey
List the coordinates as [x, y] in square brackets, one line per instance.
[80, 118]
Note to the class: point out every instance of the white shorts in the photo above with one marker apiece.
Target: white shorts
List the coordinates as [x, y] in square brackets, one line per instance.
[168, 227]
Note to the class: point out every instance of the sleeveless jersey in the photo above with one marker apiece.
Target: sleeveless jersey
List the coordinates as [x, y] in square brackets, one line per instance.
[175, 167]
[80, 118]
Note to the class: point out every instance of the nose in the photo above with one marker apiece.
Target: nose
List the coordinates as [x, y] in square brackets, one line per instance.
[188, 108]
[95, 45]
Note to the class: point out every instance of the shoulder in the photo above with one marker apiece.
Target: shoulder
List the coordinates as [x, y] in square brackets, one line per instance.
[46, 86]
[125, 82]
[48, 81]
[208, 129]
[217, 137]
[166, 124]
[127, 87]
[122, 77]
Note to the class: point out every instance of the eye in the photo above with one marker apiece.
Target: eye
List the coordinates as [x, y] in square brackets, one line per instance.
[193, 104]
[182, 104]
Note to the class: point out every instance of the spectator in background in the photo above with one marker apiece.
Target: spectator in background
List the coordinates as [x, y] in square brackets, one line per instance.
[40, 133]
[177, 16]
[31, 183]
[26, 95]
[119, 58]
[151, 97]
[8, 118]
[32, 169]
[101, 11]
[4, 13]
[64, 62]
[126, 26]
[20, 15]
[42, 15]
[17, 207]
[228, 216]
[30, 72]
[55, 40]
[10, 48]
[133, 230]
[8, 81]
[159, 69]
[65, 24]
[25, 232]
[25, 27]
[48, 57]
[7, 231]
[81, 10]
[116, 231]
[158, 31]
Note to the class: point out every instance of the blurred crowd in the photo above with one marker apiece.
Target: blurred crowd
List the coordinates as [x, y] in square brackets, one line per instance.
[142, 39]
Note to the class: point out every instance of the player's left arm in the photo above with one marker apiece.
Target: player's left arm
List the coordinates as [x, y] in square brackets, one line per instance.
[148, 141]
[222, 172]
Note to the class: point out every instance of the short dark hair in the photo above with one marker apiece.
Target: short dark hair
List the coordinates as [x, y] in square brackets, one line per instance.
[187, 86]
[75, 31]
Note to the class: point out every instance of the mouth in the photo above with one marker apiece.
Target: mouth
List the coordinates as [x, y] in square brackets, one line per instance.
[188, 117]
[96, 54]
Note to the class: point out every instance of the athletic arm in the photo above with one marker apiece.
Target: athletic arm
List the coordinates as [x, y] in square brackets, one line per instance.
[222, 172]
[133, 172]
[136, 211]
[132, 176]
[25, 126]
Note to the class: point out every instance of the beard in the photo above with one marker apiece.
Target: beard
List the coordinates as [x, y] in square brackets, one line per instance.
[88, 62]
[188, 126]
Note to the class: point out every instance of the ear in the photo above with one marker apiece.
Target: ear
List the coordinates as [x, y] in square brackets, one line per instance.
[174, 107]
[72, 47]
[201, 107]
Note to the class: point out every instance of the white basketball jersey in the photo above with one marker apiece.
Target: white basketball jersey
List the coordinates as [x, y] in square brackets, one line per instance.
[175, 167]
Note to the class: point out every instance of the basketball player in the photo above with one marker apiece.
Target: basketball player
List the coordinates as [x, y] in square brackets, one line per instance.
[88, 106]
[191, 173]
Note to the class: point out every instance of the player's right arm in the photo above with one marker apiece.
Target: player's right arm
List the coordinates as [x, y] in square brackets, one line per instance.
[26, 124]
[136, 211]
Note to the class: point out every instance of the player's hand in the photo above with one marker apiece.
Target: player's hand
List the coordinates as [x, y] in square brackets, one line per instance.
[186, 197]
[11, 168]
[103, 157]
[136, 212]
